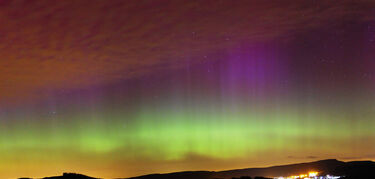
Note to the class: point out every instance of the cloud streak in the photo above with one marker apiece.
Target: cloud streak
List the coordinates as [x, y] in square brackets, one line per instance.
[76, 44]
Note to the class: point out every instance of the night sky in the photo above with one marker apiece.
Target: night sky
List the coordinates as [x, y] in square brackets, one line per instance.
[125, 88]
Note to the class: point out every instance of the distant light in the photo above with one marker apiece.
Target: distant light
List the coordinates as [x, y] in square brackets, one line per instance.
[313, 174]
[309, 175]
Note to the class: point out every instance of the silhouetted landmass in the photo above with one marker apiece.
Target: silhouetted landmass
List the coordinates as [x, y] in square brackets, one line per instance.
[247, 177]
[68, 176]
[357, 169]
[351, 170]
[180, 175]
[243, 177]
[323, 166]
[71, 176]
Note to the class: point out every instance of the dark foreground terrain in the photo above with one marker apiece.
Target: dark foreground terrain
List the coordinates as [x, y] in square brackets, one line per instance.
[351, 170]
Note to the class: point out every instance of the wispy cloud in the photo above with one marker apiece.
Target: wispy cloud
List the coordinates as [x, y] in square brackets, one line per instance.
[73, 44]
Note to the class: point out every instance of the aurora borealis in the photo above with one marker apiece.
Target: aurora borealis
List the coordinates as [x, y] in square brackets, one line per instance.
[125, 88]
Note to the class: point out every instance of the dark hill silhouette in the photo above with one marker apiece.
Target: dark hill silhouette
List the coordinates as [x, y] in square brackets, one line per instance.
[68, 176]
[180, 175]
[351, 170]
[247, 177]
[323, 166]
[71, 176]
[357, 169]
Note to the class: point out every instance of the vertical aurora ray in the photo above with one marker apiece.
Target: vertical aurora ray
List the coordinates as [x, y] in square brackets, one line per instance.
[235, 109]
